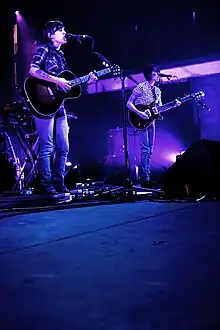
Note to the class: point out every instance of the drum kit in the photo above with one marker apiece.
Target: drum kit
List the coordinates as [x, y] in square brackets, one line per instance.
[17, 122]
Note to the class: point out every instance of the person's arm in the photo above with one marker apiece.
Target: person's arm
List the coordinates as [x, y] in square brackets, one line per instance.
[134, 95]
[159, 100]
[36, 64]
[36, 71]
[40, 74]
[131, 106]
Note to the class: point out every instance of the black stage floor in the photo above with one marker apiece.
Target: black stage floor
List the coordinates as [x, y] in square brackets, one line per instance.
[115, 264]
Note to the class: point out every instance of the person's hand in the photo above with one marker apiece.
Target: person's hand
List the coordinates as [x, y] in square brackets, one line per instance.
[63, 83]
[92, 78]
[178, 103]
[143, 114]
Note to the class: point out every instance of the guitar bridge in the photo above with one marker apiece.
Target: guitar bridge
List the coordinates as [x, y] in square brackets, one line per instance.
[50, 91]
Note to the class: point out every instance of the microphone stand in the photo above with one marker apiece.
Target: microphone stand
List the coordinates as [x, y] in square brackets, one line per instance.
[127, 179]
[199, 104]
[124, 113]
[204, 106]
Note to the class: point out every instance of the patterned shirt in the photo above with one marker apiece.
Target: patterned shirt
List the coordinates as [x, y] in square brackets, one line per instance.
[145, 94]
[51, 60]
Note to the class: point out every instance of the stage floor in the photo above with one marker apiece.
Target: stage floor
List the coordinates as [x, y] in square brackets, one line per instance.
[137, 266]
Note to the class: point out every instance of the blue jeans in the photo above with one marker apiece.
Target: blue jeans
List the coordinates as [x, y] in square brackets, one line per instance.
[53, 141]
[147, 138]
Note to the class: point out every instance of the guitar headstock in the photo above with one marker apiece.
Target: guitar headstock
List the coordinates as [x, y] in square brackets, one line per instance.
[115, 69]
[198, 95]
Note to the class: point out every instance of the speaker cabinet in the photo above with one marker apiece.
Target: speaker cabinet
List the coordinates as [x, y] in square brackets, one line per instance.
[195, 172]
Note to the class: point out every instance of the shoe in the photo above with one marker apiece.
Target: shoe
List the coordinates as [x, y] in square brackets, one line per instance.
[50, 193]
[62, 189]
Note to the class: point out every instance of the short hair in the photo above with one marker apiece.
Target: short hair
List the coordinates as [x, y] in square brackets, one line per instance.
[51, 27]
[149, 69]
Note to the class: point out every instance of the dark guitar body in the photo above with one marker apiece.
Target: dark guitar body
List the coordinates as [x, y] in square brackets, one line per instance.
[139, 123]
[46, 98]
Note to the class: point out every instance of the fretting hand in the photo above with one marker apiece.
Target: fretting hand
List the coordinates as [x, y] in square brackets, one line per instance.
[178, 103]
[143, 115]
[92, 78]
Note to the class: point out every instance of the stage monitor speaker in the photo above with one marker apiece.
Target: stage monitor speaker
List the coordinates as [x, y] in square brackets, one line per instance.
[196, 172]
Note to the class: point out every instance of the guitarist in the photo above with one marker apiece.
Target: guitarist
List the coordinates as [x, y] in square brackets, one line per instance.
[145, 93]
[47, 62]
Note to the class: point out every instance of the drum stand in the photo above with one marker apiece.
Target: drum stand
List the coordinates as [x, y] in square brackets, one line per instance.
[31, 153]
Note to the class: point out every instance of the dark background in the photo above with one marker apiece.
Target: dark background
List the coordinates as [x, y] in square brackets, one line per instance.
[130, 35]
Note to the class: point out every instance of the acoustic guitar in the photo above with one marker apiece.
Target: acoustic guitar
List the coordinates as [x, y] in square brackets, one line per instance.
[45, 98]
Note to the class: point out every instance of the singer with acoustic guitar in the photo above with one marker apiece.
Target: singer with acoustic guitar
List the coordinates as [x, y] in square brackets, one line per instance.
[144, 94]
[47, 63]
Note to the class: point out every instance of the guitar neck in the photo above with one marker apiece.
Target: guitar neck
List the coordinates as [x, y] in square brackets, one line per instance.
[85, 78]
[170, 105]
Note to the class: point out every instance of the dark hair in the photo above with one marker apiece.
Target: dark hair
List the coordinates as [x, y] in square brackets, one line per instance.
[51, 27]
[150, 68]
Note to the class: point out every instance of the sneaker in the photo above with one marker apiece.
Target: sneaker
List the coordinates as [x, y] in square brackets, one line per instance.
[62, 189]
[50, 193]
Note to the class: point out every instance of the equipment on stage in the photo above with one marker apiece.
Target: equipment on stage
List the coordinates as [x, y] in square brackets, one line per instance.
[45, 98]
[153, 111]
[18, 120]
[19, 173]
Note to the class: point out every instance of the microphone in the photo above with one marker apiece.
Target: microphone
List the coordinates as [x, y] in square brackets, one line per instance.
[166, 75]
[78, 37]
